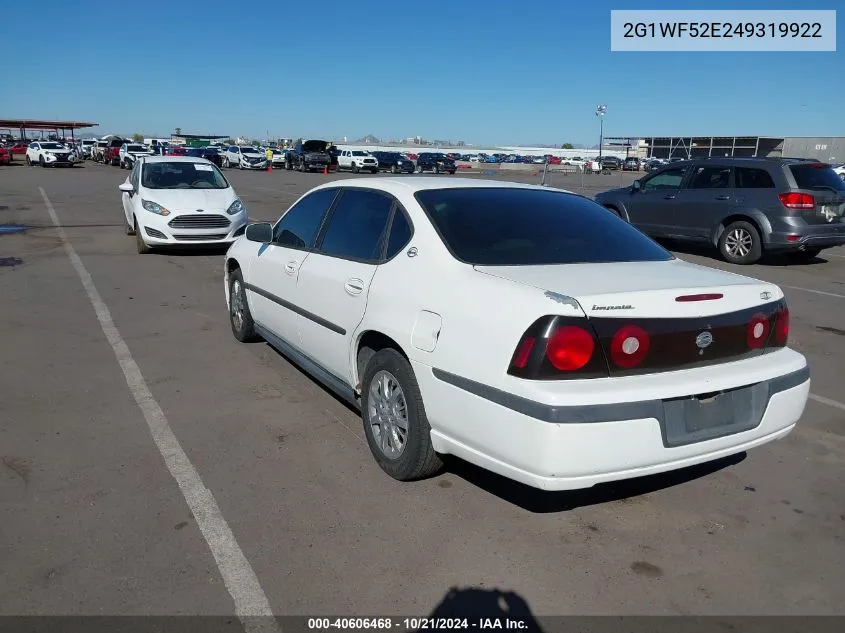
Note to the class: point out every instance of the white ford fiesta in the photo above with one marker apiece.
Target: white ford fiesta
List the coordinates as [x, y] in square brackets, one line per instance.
[179, 201]
[521, 328]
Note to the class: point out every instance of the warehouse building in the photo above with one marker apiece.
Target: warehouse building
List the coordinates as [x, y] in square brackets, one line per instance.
[830, 149]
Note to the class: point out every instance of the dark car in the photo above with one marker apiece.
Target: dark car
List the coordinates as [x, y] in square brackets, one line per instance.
[742, 206]
[394, 162]
[209, 153]
[631, 164]
[610, 162]
[309, 155]
[334, 152]
[436, 162]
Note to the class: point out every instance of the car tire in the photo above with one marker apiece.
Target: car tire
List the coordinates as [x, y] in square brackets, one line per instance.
[42, 162]
[129, 228]
[394, 169]
[437, 169]
[416, 459]
[355, 169]
[452, 172]
[28, 161]
[141, 245]
[302, 166]
[374, 171]
[740, 243]
[225, 162]
[240, 318]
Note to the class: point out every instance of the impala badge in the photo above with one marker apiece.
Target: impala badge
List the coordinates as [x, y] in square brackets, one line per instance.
[765, 296]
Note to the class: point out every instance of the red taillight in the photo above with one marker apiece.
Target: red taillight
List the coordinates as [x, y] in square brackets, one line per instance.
[757, 332]
[629, 346]
[523, 352]
[782, 326]
[794, 200]
[703, 297]
[570, 348]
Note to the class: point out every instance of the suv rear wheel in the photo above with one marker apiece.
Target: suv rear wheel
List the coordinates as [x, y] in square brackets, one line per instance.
[740, 243]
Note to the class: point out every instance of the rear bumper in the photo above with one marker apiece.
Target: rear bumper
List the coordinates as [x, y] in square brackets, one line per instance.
[601, 442]
[811, 236]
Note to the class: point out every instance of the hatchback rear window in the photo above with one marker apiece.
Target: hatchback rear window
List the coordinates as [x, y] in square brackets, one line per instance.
[500, 226]
[816, 176]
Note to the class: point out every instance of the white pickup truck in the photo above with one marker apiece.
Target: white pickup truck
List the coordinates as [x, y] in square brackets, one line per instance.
[129, 153]
[356, 160]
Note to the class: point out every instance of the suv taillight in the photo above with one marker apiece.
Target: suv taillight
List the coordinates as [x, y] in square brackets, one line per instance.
[795, 200]
[557, 347]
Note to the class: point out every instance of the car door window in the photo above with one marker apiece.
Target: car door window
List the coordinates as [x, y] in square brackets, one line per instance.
[134, 176]
[356, 226]
[665, 180]
[400, 234]
[298, 227]
[750, 178]
[711, 178]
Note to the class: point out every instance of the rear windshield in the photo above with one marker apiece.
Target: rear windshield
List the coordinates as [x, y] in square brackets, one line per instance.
[816, 176]
[501, 226]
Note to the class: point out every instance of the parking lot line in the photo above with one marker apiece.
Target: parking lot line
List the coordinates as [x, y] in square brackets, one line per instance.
[827, 401]
[251, 604]
[817, 292]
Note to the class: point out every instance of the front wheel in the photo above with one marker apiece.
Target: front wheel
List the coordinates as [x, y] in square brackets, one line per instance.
[140, 244]
[395, 423]
[240, 318]
[225, 162]
[28, 161]
[355, 169]
[42, 162]
[740, 243]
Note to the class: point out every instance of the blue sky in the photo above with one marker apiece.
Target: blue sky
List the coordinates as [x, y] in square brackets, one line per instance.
[483, 71]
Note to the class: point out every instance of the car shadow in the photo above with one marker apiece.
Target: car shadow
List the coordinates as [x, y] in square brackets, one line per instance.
[768, 259]
[545, 502]
[190, 251]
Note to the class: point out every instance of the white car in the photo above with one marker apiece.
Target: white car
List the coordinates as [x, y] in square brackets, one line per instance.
[278, 158]
[521, 328]
[50, 154]
[180, 201]
[839, 170]
[130, 152]
[355, 160]
[244, 157]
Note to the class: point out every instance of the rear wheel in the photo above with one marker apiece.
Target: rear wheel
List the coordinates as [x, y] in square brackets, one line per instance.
[437, 169]
[740, 243]
[395, 423]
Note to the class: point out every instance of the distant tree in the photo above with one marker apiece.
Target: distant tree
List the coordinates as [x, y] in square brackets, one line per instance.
[137, 137]
[229, 141]
[178, 131]
[567, 146]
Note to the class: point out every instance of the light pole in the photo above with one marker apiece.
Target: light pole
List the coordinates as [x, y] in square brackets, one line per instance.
[600, 112]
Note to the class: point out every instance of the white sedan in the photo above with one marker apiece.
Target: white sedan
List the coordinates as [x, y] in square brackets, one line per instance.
[179, 201]
[521, 328]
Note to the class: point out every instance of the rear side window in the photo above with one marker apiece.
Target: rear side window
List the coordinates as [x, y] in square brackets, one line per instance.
[400, 233]
[749, 178]
[356, 225]
[299, 226]
[711, 178]
[816, 176]
[502, 226]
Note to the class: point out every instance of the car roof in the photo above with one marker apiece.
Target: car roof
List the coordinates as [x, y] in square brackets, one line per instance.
[413, 184]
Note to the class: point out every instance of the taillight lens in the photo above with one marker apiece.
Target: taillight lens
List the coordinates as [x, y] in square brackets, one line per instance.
[570, 348]
[629, 346]
[559, 348]
[782, 326]
[757, 332]
[795, 200]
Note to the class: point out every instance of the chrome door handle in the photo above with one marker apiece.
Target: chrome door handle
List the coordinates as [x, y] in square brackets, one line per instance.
[669, 197]
[290, 267]
[354, 286]
[723, 197]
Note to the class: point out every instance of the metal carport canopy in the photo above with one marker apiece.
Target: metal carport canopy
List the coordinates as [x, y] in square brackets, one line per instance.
[36, 124]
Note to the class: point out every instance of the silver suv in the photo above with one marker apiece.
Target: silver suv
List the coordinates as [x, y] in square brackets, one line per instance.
[742, 206]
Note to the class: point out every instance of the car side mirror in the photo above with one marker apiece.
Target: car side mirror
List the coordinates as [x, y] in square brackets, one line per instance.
[261, 232]
[126, 187]
[636, 186]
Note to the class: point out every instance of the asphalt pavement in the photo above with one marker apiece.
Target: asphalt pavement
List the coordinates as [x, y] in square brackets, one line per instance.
[150, 464]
